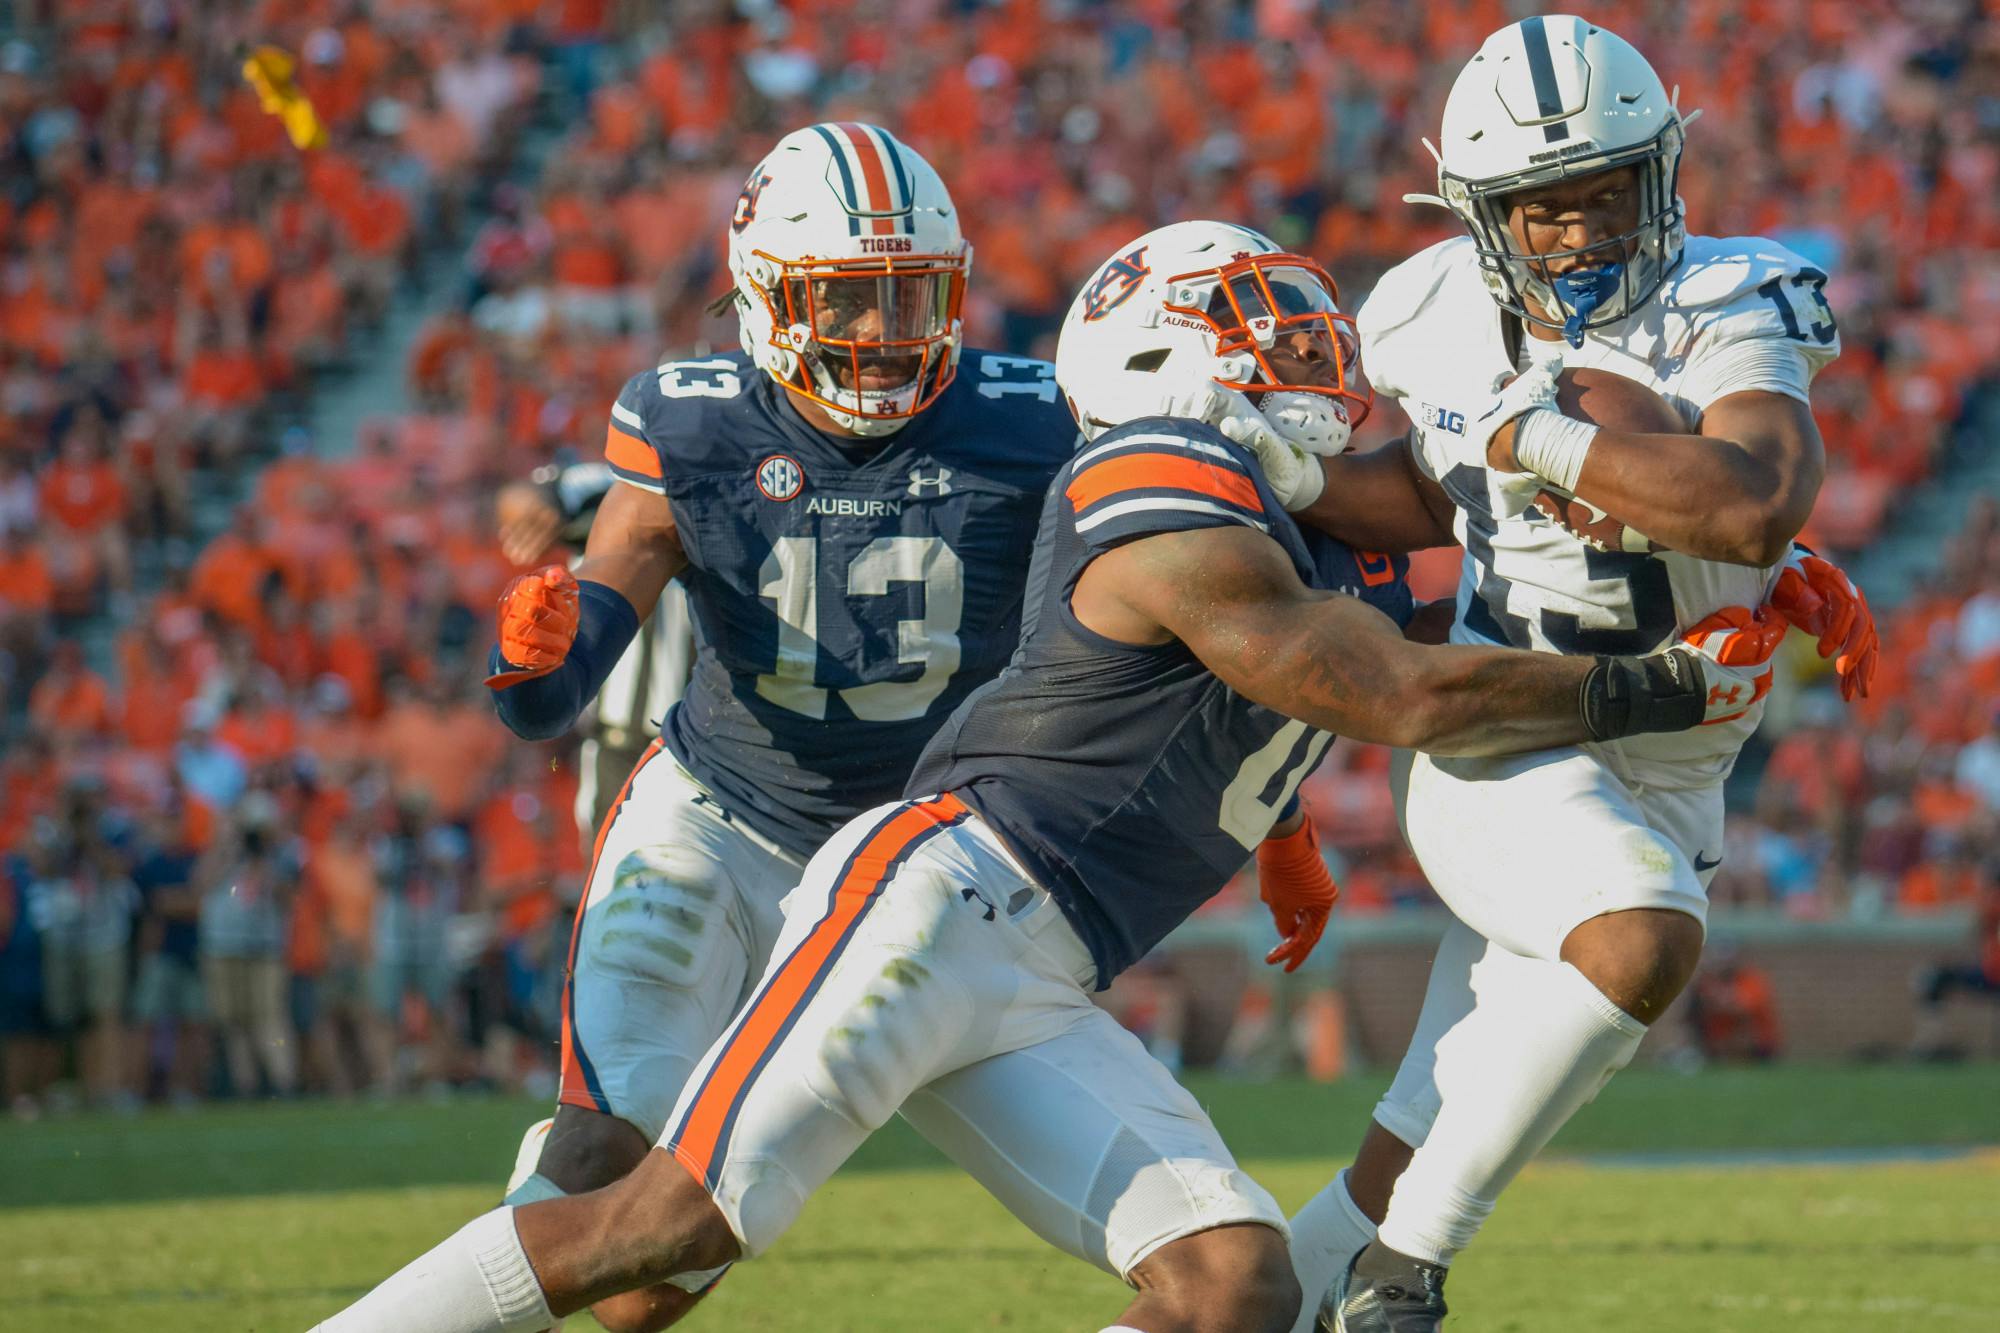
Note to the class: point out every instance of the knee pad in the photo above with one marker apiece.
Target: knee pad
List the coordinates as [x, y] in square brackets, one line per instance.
[660, 919]
[883, 1045]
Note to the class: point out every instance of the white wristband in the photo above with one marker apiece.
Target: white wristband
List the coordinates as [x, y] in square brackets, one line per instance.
[1552, 446]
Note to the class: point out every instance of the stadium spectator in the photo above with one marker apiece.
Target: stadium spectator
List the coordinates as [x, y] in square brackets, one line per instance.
[1978, 975]
[84, 904]
[1732, 1010]
[410, 981]
[248, 880]
[167, 1008]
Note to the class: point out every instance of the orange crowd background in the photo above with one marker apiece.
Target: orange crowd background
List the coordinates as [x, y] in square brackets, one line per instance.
[233, 653]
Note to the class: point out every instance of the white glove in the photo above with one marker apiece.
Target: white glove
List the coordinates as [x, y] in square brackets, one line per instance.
[1290, 469]
[1532, 390]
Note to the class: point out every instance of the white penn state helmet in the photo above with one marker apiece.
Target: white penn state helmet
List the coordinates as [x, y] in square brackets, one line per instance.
[849, 271]
[1197, 304]
[1548, 98]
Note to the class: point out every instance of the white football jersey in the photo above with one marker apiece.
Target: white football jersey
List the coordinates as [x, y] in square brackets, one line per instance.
[1740, 313]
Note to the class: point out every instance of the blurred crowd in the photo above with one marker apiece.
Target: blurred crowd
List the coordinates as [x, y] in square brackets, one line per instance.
[274, 839]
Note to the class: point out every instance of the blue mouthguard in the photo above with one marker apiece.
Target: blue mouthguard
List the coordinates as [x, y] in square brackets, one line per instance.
[1583, 290]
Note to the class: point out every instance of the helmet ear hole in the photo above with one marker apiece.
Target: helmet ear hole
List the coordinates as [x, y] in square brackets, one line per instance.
[1147, 362]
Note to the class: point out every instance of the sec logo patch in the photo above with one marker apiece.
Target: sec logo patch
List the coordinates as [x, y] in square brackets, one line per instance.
[779, 478]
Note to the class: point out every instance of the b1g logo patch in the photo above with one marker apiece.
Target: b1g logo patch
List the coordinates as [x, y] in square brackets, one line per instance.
[1438, 418]
[780, 478]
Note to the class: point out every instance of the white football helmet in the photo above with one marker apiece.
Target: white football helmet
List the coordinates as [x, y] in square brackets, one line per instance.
[850, 268]
[1199, 304]
[1548, 98]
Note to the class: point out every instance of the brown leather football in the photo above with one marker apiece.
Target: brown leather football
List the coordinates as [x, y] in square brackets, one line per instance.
[1624, 404]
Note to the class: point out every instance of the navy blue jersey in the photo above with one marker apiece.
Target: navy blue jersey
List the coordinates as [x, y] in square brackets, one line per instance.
[846, 594]
[1130, 781]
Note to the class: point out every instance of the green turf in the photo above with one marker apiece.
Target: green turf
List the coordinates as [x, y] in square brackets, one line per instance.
[270, 1217]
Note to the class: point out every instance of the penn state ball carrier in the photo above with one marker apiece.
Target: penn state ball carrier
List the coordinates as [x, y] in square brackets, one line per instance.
[1578, 876]
[849, 503]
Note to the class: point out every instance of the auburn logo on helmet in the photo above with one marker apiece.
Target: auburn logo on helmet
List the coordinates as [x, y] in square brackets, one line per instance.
[1113, 286]
[746, 203]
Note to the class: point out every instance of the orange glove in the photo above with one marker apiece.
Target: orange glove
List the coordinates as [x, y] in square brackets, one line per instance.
[1735, 645]
[538, 616]
[1818, 597]
[1295, 884]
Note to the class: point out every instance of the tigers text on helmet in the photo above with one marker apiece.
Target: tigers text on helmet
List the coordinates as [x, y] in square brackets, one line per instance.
[1547, 99]
[850, 269]
[1198, 304]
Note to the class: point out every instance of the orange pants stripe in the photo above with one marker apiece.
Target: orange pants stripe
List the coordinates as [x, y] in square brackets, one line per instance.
[700, 1140]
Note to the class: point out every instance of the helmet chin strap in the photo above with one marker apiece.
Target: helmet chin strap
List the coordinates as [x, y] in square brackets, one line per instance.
[1314, 423]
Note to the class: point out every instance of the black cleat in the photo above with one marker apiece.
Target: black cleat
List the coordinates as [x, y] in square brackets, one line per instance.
[1382, 1291]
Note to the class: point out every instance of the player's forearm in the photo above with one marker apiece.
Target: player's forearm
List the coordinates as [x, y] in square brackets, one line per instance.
[1372, 502]
[1343, 667]
[1702, 496]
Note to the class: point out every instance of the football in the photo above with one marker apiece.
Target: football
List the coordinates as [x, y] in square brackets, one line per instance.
[1613, 400]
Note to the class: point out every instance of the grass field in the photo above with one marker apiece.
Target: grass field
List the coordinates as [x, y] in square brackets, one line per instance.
[1797, 1199]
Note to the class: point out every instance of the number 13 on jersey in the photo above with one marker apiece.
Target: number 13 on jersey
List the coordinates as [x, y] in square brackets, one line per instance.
[790, 579]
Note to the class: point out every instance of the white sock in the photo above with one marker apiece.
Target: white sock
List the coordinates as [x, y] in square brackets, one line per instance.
[1509, 1075]
[534, 1189]
[1327, 1233]
[478, 1281]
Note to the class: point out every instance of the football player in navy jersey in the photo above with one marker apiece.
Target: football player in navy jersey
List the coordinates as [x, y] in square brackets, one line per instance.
[848, 504]
[1186, 652]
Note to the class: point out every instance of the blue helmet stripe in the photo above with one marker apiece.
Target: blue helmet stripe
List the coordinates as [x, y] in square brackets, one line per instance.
[893, 151]
[846, 178]
[1542, 69]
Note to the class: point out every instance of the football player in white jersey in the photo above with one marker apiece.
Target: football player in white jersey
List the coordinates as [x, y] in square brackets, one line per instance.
[1578, 876]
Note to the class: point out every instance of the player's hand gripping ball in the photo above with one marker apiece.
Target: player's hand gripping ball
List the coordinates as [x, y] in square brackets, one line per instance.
[1616, 403]
[538, 618]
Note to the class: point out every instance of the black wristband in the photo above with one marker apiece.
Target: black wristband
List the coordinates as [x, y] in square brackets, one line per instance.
[1626, 696]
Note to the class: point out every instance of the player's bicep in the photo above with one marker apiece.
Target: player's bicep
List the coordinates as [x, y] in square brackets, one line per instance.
[634, 546]
[1233, 597]
[1778, 431]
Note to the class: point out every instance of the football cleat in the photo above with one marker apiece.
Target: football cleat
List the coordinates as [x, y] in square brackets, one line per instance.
[1382, 1291]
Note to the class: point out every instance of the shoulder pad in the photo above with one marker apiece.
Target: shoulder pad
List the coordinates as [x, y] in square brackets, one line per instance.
[1160, 474]
[1737, 288]
[1399, 298]
[1725, 270]
[677, 409]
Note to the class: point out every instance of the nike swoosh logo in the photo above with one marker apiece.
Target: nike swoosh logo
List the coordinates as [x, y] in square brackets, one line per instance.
[1703, 867]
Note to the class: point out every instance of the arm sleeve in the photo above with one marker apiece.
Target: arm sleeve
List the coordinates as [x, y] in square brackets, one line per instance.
[547, 706]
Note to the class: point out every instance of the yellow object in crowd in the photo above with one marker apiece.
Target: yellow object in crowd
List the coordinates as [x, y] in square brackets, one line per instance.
[269, 70]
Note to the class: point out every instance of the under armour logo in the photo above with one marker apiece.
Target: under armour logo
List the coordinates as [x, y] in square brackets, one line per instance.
[921, 485]
[1717, 695]
[971, 895]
